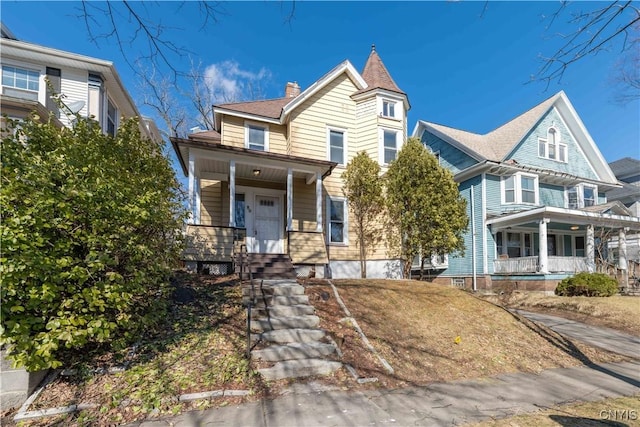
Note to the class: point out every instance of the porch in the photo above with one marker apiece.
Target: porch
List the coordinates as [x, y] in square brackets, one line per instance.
[557, 241]
[531, 264]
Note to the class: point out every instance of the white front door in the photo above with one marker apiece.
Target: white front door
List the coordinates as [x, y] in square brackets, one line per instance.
[267, 225]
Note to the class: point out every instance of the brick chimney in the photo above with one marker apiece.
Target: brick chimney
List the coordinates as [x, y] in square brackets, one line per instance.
[291, 90]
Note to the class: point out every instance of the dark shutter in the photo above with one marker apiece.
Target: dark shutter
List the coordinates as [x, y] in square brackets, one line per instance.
[53, 88]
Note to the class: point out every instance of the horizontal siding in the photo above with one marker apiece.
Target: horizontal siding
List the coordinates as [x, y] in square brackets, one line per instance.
[74, 86]
[493, 195]
[208, 244]
[307, 248]
[211, 203]
[304, 206]
[450, 157]
[463, 265]
[551, 195]
[526, 152]
[331, 106]
[233, 133]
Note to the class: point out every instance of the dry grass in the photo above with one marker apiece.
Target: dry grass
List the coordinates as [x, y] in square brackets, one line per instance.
[622, 411]
[426, 332]
[617, 312]
[429, 332]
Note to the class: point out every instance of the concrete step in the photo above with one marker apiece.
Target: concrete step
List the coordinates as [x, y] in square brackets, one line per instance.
[299, 368]
[286, 288]
[283, 310]
[296, 350]
[291, 322]
[282, 336]
[281, 300]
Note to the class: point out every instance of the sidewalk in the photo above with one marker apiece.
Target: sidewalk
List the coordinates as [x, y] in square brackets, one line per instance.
[606, 338]
[443, 404]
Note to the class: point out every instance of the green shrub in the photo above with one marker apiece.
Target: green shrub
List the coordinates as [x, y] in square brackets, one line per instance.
[588, 284]
[90, 232]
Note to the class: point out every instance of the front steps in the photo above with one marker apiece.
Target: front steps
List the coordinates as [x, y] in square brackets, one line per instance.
[266, 266]
[285, 323]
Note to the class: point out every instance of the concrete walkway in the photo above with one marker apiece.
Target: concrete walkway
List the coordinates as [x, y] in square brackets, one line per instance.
[440, 404]
[443, 404]
[606, 338]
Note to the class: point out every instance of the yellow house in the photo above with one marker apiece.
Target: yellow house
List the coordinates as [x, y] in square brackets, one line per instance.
[268, 179]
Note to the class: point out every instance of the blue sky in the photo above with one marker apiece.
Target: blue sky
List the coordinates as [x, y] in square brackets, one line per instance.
[460, 66]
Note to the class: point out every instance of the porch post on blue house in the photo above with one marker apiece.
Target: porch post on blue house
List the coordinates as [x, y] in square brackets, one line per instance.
[319, 224]
[622, 256]
[543, 258]
[289, 199]
[591, 249]
[232, 193]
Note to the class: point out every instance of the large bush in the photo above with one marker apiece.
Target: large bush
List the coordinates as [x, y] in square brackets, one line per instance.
[588, 284]
[90, 231]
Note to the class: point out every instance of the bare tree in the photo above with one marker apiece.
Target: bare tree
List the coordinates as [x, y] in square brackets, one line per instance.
[613, 26]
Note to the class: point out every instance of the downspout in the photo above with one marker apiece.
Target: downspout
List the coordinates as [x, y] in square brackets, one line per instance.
[473, 239]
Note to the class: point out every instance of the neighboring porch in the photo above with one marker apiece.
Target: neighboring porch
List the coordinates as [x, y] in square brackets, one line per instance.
[554, 241]
[248, 201]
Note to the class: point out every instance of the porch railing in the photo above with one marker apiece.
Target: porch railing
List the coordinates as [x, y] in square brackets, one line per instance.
[530, 264]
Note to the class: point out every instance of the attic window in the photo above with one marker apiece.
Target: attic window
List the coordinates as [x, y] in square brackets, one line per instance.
[388, 108]
[256, 136]
[551, 148]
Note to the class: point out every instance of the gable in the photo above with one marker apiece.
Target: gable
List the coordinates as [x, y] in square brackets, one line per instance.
[526, 152]
[450, 157]
[331, 106]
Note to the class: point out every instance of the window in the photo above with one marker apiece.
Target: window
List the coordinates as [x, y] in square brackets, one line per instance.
[514, 244]
[337, 217]
[520, 188]
[20, 82]
[240, 206]
[388, 109]
[389, 145]
[256, 137]
[581, 196]
[551, 147]
[510, 189]
[112, 118]
[337, 146]
[580, 246]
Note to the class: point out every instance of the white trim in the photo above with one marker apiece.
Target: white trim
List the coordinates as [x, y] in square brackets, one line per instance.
[343, 67]
[517, 188]
[192, 185]
[343, 131]
[381, 148]
[380, 102]
[232, 194]
[265, 127]
[483, 207]
[289, 199]
[345, 222]
[319, 225]
[580, 195]
[248, 116]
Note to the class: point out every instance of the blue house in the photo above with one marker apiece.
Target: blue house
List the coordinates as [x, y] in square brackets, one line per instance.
[535, 190]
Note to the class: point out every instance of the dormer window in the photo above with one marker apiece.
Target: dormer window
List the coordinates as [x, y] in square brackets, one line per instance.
[388, 108]
[551, 148]
[581, 196]
[256, 137]
[520, 189]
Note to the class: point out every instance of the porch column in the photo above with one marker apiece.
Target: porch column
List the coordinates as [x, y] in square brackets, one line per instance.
[232, 193]
[543, 256]
[319, 224]
[622, 256]
[289, 199]
[197, 201]
[192, 184]
[591, 251]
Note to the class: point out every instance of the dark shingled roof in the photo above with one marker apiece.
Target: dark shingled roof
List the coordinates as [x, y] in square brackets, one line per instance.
[625, 167]
[270, 108]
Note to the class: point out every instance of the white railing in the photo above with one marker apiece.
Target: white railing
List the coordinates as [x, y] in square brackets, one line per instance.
[529, 264]
[567, 264]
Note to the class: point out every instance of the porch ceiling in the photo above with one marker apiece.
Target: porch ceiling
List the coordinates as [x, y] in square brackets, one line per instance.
[219, 170]
[566, 216]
